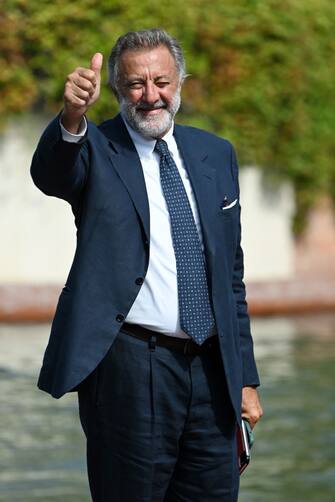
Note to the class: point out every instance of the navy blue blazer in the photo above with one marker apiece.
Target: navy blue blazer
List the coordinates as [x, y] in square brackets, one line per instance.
[102, 179]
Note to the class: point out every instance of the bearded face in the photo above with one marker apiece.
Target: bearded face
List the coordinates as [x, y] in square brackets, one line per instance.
[151, 125]
[149, 90]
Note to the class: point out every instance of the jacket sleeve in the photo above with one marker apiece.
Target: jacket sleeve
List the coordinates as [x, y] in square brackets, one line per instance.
[60, 168]
[250, 374]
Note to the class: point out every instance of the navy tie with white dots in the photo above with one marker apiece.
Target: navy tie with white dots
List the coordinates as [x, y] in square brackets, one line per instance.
[196, 317]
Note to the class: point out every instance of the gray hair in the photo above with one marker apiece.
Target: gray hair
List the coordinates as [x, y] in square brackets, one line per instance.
[144, 39]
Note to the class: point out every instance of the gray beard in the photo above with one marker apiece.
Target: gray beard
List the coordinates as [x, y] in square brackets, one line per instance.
[151, 126]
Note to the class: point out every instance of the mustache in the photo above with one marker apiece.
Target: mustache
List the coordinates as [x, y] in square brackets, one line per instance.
[146, 106]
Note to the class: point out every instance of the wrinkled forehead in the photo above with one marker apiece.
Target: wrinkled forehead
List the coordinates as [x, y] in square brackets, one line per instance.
[147, 62]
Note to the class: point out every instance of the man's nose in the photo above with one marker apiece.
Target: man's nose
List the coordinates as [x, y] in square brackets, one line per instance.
[151, 94]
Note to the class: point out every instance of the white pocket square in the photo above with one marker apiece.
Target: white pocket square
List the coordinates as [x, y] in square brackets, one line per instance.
[232, 204]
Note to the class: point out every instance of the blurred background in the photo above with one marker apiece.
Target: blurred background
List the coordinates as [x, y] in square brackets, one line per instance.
[261, 75]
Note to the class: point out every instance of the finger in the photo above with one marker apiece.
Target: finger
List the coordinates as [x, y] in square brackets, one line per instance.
[80, 93]
[73, 93]
[84, 73]
[84, 84]
[76, 102]
[96, 63]
[251, 416]
[72, 89]
[251, 422]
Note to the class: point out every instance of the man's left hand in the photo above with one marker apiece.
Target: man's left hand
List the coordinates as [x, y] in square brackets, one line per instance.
[251, 406]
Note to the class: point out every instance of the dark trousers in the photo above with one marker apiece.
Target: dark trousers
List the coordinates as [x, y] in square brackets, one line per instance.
[159, 426]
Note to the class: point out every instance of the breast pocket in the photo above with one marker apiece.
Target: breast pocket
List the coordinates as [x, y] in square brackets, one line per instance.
[228, 229]
[230, 210]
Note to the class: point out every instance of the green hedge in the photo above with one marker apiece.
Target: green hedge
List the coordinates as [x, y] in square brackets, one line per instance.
[261, 72]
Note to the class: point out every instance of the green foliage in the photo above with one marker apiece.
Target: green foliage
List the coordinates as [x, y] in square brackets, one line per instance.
[261, 72]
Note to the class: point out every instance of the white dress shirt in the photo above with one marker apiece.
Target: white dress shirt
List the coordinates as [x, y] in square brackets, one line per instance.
[156, 305]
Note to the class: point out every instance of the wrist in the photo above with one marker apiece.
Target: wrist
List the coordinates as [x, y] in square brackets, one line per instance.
[71, 123]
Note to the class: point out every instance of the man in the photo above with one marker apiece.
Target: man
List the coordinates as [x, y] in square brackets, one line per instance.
[151, 327]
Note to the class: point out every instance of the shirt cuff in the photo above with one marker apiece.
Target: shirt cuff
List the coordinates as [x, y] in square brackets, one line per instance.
[69, 137]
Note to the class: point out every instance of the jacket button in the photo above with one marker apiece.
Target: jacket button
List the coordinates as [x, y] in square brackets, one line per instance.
[119, 318]
[139, 281]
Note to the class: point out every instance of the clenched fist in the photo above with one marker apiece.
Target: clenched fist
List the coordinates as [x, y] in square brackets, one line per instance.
[82, 89]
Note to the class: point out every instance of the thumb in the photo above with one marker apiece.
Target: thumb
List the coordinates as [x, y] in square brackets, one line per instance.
[96, 63]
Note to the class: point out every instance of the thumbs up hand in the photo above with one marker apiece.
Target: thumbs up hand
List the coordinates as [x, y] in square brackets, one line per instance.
[96, 65]
[82, 90]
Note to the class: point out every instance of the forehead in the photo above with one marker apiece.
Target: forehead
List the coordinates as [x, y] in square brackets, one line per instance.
[157, 61]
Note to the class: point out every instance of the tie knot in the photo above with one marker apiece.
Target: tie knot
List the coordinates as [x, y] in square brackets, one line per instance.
[161, 148]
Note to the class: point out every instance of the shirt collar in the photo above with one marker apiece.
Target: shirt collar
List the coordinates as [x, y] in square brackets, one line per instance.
[145, 146]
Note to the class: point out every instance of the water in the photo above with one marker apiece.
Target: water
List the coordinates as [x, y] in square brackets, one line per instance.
[294, 456]
[42, 452]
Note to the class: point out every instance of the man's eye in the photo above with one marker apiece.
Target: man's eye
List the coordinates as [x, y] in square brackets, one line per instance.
[135, 85]
[162, 83]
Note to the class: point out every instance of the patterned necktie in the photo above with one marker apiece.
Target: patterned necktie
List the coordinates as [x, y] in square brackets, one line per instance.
[196, 317]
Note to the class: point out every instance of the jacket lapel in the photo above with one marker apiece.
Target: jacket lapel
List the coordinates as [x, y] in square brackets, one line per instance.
[202, 178]
[126, 162]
